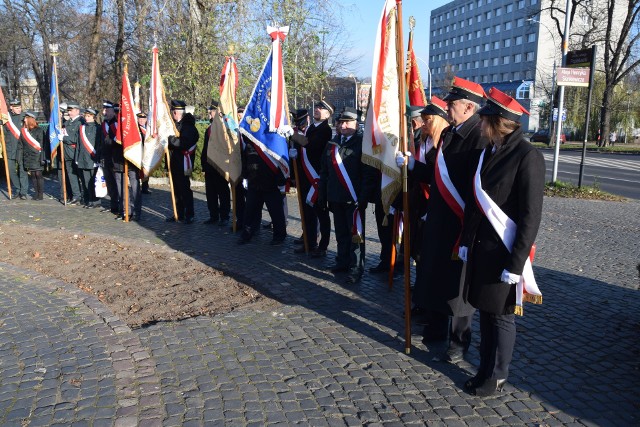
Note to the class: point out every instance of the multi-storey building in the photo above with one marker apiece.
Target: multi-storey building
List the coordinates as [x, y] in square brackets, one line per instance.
[504, 43]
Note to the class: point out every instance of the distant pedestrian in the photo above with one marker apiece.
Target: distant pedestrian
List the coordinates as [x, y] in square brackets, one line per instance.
[613, 136]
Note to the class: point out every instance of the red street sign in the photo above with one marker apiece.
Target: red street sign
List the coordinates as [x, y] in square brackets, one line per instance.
[572, 77]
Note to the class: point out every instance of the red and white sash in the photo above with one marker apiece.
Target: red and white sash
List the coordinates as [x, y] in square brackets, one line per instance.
[449, 193]
[85, 141]
[13, 128]
[312, 177]
[421, 156]
[113, 127]
[30, 139]
[527, 288]
[343, 176]
[188, 165]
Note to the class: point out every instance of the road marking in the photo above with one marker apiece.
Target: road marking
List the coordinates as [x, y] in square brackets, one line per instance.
[589, 161]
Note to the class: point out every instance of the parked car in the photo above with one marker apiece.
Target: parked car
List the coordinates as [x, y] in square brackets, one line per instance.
[542, 135]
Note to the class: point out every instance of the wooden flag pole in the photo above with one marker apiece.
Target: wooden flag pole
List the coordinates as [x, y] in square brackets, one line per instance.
[63, 178]
[394, 237]
[126, 162]
[173, 196]
[405, 194]
[6, 159]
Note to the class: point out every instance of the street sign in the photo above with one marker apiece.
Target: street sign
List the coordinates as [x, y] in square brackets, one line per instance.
[579, 58]
[573, 77]
[555, 114]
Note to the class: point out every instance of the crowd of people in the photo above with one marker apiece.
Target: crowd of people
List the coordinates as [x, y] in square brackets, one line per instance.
[475, 194]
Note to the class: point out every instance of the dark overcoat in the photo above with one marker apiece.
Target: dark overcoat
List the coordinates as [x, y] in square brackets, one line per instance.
[72, 138]
[513, 177]
[438, 276]
[11, 142]
[33, 158]
[315, 141]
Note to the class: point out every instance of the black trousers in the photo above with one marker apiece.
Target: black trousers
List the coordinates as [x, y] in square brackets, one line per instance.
[315, 216]
[350, 254]
[37, 182]
[135, 193]
[240, 195]
[18, 177]
[112, 186]
[218, 194]
[183, 193]
[72, 178]
[497, 340]
[87, 184]
[253, 212]
[458, 327]
[385, 234]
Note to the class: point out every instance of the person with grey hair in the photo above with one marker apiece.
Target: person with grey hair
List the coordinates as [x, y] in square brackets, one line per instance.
[438, 288]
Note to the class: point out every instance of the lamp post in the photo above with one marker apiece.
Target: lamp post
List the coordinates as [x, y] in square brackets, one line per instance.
[429, 71]
[626, 128]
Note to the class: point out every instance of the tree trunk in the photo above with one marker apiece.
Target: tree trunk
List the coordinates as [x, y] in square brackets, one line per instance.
[605, 115]
[92, 85]
[119, 51]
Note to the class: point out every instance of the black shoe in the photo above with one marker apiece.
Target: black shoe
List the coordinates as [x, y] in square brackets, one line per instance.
[301, 250]
[171, 219]
[472, 383]
[489, 387]
[452, 355]
[380, 268]
[223, 223]
[146, 192]
[243, 241]
[318, 253]
[134, 217]
[73, 201]
[338, 269]
[266, 225]
[211, 221]
[298, 241]
[188, 220]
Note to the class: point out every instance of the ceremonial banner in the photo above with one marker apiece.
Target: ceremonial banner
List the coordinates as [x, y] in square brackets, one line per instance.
[415, 89]
[55, 126]
[128, 132]
[382, 126]
[265, 121]
[160, 125]
[4, 110]
[223, 151]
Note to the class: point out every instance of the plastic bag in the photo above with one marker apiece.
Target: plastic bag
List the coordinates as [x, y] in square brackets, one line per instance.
[100, 183]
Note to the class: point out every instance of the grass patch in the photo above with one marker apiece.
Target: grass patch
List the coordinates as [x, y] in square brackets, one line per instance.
[589, 192]
[577, 146]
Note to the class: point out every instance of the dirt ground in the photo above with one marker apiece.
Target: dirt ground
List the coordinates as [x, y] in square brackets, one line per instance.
[152, 284]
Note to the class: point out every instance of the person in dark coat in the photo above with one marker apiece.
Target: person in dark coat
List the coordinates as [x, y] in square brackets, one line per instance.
[347, 194]
[510, 175]
[109, 130]
[216, 185]
[17, 174]
[87, 156]
[310, 143]
[142, 126]
[264, 185]
[70, 144]
[438, 287]
[32, 142]
[182, 152]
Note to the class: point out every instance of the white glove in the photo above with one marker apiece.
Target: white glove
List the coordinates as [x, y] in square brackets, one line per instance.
[509, 278]
[285, 131]
[400, 160]
[293, 153]
[462, 253]
[282, 189]
[245, 184]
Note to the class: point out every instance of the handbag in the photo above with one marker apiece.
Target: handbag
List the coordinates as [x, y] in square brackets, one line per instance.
[100, 183]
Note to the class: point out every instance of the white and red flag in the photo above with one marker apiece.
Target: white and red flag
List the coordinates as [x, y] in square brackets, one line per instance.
[128, 131]
[382, 127]
[277, 112]
[160, 125]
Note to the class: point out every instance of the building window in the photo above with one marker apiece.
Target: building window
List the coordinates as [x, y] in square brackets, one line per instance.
[516, 75]
[468, 51]
[496, 29]
[495, 77]
[505, 60]
[496, 45]
[479, 3]
[455, 25]
[440, 44]
[461, 39]
[433, 46]
[461, 52]
[524, 91]
[508, 9]
[459, 67]
[506, 42]
[478, 49]
[440, 57]
[476, 64]
[518, 40]
[478, 34]
[528, 75]
[485, 79]
[440, 31]
[534, 2]
[521, 4]
[470, 6]
[446, 55]
[449, 14]
[469, 36]
[453, 40]
[507, 25]
[433, 34]
[496, 61]
[531, 37]
[470, 21]
[440, 18]
[530, 56]
[468, 65]
[479, 18]
[485, 63]
[446, 42]
[517, 58]
[488, 15]
[505, 77]
[447, 29]
[487, 31]
[520, 22]
[461, 24]
[455, 12]
[453, 54]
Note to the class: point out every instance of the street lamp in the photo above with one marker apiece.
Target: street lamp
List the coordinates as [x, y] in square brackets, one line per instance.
[429, 71]
[626, 128]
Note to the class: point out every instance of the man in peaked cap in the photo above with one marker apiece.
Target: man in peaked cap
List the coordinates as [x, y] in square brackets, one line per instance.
[216, 186]
[17, 174]
[310, 143]
[70, 143]
[109, 129]
[182, 152]
[347, 190]
[439, 287]
[87, 155]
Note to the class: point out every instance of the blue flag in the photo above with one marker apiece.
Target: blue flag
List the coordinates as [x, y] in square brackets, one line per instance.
[272, 146]
[55, 131]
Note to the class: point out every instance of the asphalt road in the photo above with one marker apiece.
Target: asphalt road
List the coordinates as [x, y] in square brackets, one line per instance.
[614, 173]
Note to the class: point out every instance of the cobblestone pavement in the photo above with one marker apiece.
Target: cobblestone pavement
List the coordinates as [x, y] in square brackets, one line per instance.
[330, 354]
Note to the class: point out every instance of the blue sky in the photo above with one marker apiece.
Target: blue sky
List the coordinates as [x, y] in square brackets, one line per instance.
[366, 14]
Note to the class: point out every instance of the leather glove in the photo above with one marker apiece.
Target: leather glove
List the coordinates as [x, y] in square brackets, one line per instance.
[293, 153]
[285, 131]
[462, 253]
[245, 184]
[509, 278]
[400, 160]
